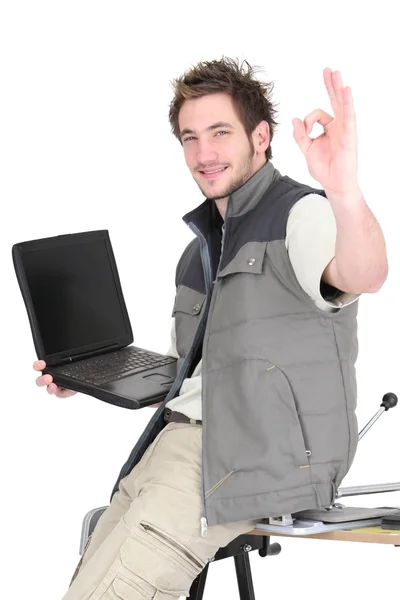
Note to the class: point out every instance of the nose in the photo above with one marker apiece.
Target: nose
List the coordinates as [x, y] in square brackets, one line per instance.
[205, 152]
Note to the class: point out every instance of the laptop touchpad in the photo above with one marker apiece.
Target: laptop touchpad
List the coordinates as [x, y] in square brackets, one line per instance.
[157, 377]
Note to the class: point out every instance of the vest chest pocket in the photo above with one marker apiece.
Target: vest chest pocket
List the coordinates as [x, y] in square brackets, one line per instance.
[187, 311]
[243, 286]
[249, 259]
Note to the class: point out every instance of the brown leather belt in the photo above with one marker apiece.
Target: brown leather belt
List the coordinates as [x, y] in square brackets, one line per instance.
[173, 416]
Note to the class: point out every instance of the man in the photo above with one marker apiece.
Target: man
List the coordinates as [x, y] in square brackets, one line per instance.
[260, 420]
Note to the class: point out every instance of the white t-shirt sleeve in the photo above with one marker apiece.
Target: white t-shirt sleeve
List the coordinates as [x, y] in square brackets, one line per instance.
[172, 351]
[310, 241]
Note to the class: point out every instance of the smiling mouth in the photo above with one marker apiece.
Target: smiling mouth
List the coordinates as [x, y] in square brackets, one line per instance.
[212, 173]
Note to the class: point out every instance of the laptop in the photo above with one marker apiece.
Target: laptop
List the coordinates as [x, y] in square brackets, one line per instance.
[80, 324]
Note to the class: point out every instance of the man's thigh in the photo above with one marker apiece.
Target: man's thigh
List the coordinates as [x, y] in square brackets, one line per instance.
[167, 497]
[157, 542]
[119, 505]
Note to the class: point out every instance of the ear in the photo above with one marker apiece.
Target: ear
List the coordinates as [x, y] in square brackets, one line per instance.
[261, 137]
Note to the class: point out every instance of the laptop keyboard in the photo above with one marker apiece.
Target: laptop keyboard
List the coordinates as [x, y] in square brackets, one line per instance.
[115, 365]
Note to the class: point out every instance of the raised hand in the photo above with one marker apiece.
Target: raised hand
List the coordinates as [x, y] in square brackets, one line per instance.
[332, 157]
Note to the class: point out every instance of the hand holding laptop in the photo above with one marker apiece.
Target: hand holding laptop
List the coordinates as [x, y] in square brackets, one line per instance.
[52, 388]
[80, 325]
[47, 380]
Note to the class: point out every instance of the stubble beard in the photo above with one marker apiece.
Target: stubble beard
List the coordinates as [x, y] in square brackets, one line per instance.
[244, 174]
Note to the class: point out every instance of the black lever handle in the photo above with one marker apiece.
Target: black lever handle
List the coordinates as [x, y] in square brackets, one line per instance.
[389, 400]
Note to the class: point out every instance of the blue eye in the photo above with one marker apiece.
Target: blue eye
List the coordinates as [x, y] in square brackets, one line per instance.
[218, 132]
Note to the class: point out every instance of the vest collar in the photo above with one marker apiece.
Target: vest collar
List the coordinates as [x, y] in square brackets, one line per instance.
[239, 203]
[248, 196]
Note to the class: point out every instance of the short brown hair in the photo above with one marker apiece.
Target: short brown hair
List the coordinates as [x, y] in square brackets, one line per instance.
[250, 96]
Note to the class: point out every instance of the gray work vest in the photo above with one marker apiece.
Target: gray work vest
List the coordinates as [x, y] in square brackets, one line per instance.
[278, 375]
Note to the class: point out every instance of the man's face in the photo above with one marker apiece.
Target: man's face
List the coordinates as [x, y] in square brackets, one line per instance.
[217, 150]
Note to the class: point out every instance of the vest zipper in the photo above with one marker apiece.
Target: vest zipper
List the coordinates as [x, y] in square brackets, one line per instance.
[206, 262]
[203, 526]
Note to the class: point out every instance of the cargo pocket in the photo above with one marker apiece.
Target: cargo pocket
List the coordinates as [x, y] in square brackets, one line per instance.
[161, 561]
[166, 540]
[123, 589]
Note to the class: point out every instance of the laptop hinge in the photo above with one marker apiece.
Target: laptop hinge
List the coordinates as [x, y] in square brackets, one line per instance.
[82, 355]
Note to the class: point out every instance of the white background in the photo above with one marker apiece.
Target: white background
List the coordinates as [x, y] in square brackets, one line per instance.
[85, 145]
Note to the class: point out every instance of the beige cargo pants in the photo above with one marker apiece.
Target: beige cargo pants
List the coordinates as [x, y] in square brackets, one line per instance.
[148, 543]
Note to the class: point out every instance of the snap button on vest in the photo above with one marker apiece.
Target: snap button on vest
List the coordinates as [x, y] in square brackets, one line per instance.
[196, 309]
[251, 261]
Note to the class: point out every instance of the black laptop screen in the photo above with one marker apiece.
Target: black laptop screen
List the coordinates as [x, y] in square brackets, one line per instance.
[74, 295]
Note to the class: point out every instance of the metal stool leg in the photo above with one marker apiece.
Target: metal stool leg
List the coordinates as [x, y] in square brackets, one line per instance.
[197, 588]
[244, 578]
[239, 548]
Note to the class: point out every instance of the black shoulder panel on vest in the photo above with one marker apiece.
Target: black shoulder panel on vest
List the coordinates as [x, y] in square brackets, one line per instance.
[191, 277]
[268, 220]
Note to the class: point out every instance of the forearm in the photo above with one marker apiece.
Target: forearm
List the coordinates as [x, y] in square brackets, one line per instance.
[360, 251]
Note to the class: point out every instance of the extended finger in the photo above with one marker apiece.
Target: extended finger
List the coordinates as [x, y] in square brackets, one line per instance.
[337, 83]
[349, 115]
[44, 380]
[58, 391]
[63, 393]
[328, 79]
[39, 365]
